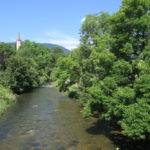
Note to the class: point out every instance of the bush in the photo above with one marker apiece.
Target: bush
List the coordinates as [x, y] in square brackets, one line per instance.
[6, 99]
[22, 74]
[73, 91]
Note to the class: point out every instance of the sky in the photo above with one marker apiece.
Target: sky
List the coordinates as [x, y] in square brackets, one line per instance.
[49, 21]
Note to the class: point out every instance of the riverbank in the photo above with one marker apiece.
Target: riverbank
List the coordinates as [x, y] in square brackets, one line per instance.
[7, 99]
[108, 128]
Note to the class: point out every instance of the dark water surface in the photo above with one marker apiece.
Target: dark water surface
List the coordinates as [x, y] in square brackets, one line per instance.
[45, 119]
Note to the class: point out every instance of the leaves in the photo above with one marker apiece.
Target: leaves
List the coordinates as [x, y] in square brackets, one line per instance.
[111, 68]
[136, 120]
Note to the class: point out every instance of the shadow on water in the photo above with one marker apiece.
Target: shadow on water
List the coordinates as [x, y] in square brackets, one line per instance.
[128, 144]
[106, 128]
[100, 127]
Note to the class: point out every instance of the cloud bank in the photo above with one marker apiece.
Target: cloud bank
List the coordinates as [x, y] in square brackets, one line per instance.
[67, 41]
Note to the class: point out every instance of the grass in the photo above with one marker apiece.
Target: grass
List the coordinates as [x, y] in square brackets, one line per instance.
[7, 99]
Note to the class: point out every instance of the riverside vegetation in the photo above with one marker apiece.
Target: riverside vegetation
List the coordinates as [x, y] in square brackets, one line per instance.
[23, 70]
[108, 73]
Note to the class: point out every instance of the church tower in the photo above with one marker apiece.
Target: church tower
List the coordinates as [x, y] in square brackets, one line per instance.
[18, 42]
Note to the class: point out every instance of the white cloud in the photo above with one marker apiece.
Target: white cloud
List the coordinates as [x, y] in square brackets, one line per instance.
[59, 38]
[67, 43]
[83, 19]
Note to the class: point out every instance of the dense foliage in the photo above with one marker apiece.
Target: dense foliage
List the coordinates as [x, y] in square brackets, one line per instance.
[109, 72]
[22, 70]
[6, 99]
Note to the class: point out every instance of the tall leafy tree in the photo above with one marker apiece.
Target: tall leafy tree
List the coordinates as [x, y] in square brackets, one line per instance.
[130, 28]
[6, 50]
[112, 64]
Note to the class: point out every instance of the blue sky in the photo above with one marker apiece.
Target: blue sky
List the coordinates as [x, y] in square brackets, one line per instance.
[51, 21]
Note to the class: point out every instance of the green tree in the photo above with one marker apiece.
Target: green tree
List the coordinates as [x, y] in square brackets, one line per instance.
[109, 71]
[43, 57]
[22, 74]
[93, 27]
[130, 28]
[136, 120]
[6, 50]
[66, 72]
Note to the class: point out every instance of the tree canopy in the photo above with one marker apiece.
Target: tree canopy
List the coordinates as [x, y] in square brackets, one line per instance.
[109, 72]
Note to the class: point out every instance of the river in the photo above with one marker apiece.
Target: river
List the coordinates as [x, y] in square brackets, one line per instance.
[45, 119]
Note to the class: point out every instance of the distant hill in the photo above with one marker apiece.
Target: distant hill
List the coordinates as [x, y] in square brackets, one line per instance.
[49, 45]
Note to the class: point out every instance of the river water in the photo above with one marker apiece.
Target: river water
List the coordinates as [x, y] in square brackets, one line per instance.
[45, 119]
